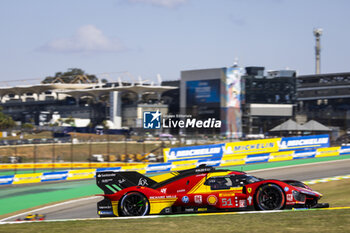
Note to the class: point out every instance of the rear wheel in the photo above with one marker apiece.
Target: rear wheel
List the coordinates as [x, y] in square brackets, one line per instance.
[269, 197]
[134, 204]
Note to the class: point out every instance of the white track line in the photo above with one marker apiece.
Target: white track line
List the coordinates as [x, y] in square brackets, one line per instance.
[50, 206]
[170, 216]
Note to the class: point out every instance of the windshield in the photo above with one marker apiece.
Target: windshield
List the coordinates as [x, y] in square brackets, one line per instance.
[226, 182]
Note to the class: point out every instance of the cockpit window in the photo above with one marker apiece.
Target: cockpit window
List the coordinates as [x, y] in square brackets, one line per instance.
[217, 183]
[244, 179]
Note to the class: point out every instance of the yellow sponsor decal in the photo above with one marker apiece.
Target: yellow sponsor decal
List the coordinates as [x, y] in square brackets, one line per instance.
[249, 190]
[27, 178]
[212, 199]
[229, 194]
[202, 209]
[251, 147]
[115, 208]
[158, 204]
[329, 151]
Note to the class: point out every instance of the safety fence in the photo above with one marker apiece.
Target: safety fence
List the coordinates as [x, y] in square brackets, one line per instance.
[174, 166]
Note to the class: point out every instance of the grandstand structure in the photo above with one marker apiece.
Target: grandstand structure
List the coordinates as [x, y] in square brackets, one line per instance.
[121, 103]
[325, 98]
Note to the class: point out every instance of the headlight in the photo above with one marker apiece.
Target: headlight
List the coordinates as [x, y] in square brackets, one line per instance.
[298, 196]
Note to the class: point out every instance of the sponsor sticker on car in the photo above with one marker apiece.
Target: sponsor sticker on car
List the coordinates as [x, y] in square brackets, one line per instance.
[289, 197]
[242, 203]
[185, 199]
[198, 199]
[212, 200]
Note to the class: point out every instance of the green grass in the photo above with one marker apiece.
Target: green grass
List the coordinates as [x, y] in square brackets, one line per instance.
[13, 199]
[291, 221]
[336, 193]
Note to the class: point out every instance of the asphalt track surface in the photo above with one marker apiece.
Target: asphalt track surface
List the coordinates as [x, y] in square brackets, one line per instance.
[86, 207]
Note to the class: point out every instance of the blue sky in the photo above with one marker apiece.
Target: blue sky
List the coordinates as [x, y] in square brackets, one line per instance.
[147, 37]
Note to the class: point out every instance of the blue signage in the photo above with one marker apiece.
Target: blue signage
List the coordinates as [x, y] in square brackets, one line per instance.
[203, 91]
[194, 152]
[305, 142]
[304, 154]
[54, 176]
[4, 180]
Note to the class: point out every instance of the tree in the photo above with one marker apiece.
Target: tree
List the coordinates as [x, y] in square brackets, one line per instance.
[27, 126]
[73, 75]
[6, 121]
[105, 125]
[70, 121]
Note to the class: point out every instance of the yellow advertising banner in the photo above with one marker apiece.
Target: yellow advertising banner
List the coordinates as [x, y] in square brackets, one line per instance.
[25, 166]
[63, 165]
[233, 160]
[281, 156]
[27, 178]
[166, 152]
[141, 168]
[251, 147]
[329, 151]
[81, 174]
[6, 166]
[183, 165]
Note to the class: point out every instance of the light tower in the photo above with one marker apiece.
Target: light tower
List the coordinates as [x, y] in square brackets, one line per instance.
[317, 34]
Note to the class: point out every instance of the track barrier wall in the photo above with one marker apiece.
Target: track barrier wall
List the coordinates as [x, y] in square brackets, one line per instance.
[176, 165]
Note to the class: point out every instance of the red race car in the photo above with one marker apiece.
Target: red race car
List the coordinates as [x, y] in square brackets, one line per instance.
[202, 189]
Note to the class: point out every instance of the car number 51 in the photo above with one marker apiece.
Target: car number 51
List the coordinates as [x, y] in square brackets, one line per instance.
[226, 202]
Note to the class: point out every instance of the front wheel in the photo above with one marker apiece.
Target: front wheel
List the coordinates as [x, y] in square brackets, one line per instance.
[134, 204]
[269, 197]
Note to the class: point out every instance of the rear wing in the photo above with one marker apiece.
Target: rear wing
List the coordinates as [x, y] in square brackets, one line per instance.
[111, 182]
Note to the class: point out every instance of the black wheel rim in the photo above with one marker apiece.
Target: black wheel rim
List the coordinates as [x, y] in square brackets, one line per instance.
[134, 205]
[270, 198]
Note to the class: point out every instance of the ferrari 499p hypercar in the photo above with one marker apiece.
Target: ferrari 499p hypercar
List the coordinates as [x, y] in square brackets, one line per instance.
[202, 189]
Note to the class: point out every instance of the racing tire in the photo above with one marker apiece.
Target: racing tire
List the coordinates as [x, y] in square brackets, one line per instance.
[134, 204]
[269, 197]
